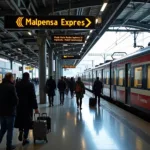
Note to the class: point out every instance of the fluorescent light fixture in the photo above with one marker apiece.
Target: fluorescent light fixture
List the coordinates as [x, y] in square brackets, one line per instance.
[87, 37]
[103, 7]
[85, 41]
[83, 45]
[29, 33]
[91, 31]
[96, 21]
[19, 49]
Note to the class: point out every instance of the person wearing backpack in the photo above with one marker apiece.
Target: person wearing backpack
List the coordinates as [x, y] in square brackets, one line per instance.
[97, 89]
[51, 86]
[80, 91]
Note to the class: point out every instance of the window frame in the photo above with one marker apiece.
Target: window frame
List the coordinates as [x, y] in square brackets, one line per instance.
[134, 76]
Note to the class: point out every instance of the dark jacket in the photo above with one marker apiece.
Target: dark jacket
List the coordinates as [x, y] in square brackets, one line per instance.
[72, 85]
[27, 102]
[8, 99]
[97, 87]
[61, 85]
[51, 85]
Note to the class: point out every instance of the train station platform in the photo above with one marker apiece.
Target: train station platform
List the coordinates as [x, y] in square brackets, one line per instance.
[103, 128]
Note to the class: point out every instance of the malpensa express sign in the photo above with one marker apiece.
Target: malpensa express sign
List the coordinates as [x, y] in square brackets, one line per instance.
[49, 22]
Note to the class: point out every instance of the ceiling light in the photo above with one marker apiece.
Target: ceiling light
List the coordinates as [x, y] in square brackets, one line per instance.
[29, 33]
[19, 49]
[91, 31]
[103, 7]
[9, 54]
[87, 37]
[83, 45]
[85, 41]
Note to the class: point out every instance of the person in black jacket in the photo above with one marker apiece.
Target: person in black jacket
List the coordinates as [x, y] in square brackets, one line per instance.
[8, 104]
[72, 86]
[27, 102]
[51, 86]
[62, 87]
[97, 89]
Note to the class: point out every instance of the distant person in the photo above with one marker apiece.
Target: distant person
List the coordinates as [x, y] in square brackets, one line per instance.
[8, 104]
[51, 86]
[62, 87]
[67, 85]
[80, 91]
[72, 86]
[97, 89]
[27, 102]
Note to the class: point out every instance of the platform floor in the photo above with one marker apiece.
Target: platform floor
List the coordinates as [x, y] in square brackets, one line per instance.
[104, 128]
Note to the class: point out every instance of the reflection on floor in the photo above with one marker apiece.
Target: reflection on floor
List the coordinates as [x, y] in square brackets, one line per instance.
[89, 129]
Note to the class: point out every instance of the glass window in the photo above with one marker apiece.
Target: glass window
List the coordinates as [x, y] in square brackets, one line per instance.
[1, 78]
[107, 77]
[121, 76]
[104, 81]
[129, 74]
[138, 77]
[100, 75]
[148, 78]
[115, 77]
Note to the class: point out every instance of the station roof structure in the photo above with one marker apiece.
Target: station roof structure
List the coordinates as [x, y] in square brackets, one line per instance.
[22, 45]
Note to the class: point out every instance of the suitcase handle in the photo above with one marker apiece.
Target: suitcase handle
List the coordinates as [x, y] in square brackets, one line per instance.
[35, 116]
[44, 114]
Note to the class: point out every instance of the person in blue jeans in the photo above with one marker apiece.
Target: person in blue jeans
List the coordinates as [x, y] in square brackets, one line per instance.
[8, 104]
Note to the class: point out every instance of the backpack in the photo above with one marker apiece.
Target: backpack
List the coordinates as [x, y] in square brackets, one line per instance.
[78, 88]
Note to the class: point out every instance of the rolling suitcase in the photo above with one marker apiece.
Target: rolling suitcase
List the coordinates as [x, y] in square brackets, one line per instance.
[44, 117]
[92, 102]
[39, 130]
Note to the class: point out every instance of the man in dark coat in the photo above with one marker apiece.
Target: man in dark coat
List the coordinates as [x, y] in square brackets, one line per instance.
[97, 89]
[27, 102]
[51, 86]
[8, 104]
[62, 87]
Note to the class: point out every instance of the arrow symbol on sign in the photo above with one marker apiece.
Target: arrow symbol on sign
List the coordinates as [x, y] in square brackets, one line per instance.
[89, 22]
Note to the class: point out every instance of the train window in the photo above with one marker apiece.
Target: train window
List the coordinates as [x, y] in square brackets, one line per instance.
[115, 77]
[100, 75]
[107, 77]
[148, 78]
[138, 77]
[104, 77]
[121, 76]
[1, 78]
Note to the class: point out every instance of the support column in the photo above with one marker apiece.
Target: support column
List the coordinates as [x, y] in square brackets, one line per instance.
[50, 62]
[42, 66]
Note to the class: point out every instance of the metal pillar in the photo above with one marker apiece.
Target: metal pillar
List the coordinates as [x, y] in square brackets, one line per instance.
[50, 62]
[11, 64]
[42, 66]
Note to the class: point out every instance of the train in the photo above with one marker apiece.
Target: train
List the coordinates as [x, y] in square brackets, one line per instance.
[126, 80]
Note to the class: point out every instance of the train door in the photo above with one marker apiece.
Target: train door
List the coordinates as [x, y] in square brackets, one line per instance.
[127, 83]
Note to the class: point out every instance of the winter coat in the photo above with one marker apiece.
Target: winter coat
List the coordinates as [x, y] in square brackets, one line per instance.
[8, 99]
[72, 85]
[97, 88]
[80, 94]
[27, 102]
[61, 86]
[51, 85]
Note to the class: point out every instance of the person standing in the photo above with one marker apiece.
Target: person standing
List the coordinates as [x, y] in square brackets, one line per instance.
[72, 86]
[51, 86]
[27, 102]
[8, 104]
[97, 89]
[80, 91]
[62, 87]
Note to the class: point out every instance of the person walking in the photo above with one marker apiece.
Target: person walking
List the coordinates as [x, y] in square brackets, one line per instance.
[62, 87]
[8, 104]
[27, 102]
[97, 89]
[51, 86]
[80, 91]
[72, 86]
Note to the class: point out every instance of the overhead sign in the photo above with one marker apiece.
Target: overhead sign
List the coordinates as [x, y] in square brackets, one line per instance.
[49, 22]
[28, 68]
[68, 39]
[71, 57]
[66, 66]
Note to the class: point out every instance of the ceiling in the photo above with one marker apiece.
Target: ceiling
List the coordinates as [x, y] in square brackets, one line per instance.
[22, 47]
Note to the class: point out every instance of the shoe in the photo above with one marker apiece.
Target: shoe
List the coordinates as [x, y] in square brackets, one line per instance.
[11, 148]
[20, 136]
[25, 142]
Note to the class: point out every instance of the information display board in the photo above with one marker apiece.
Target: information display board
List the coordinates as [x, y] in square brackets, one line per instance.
[78, 39]
[71, 57]
[49, 22]
[67, 66]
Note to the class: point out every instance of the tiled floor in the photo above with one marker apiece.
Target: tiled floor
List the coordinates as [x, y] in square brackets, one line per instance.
[90, 129]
